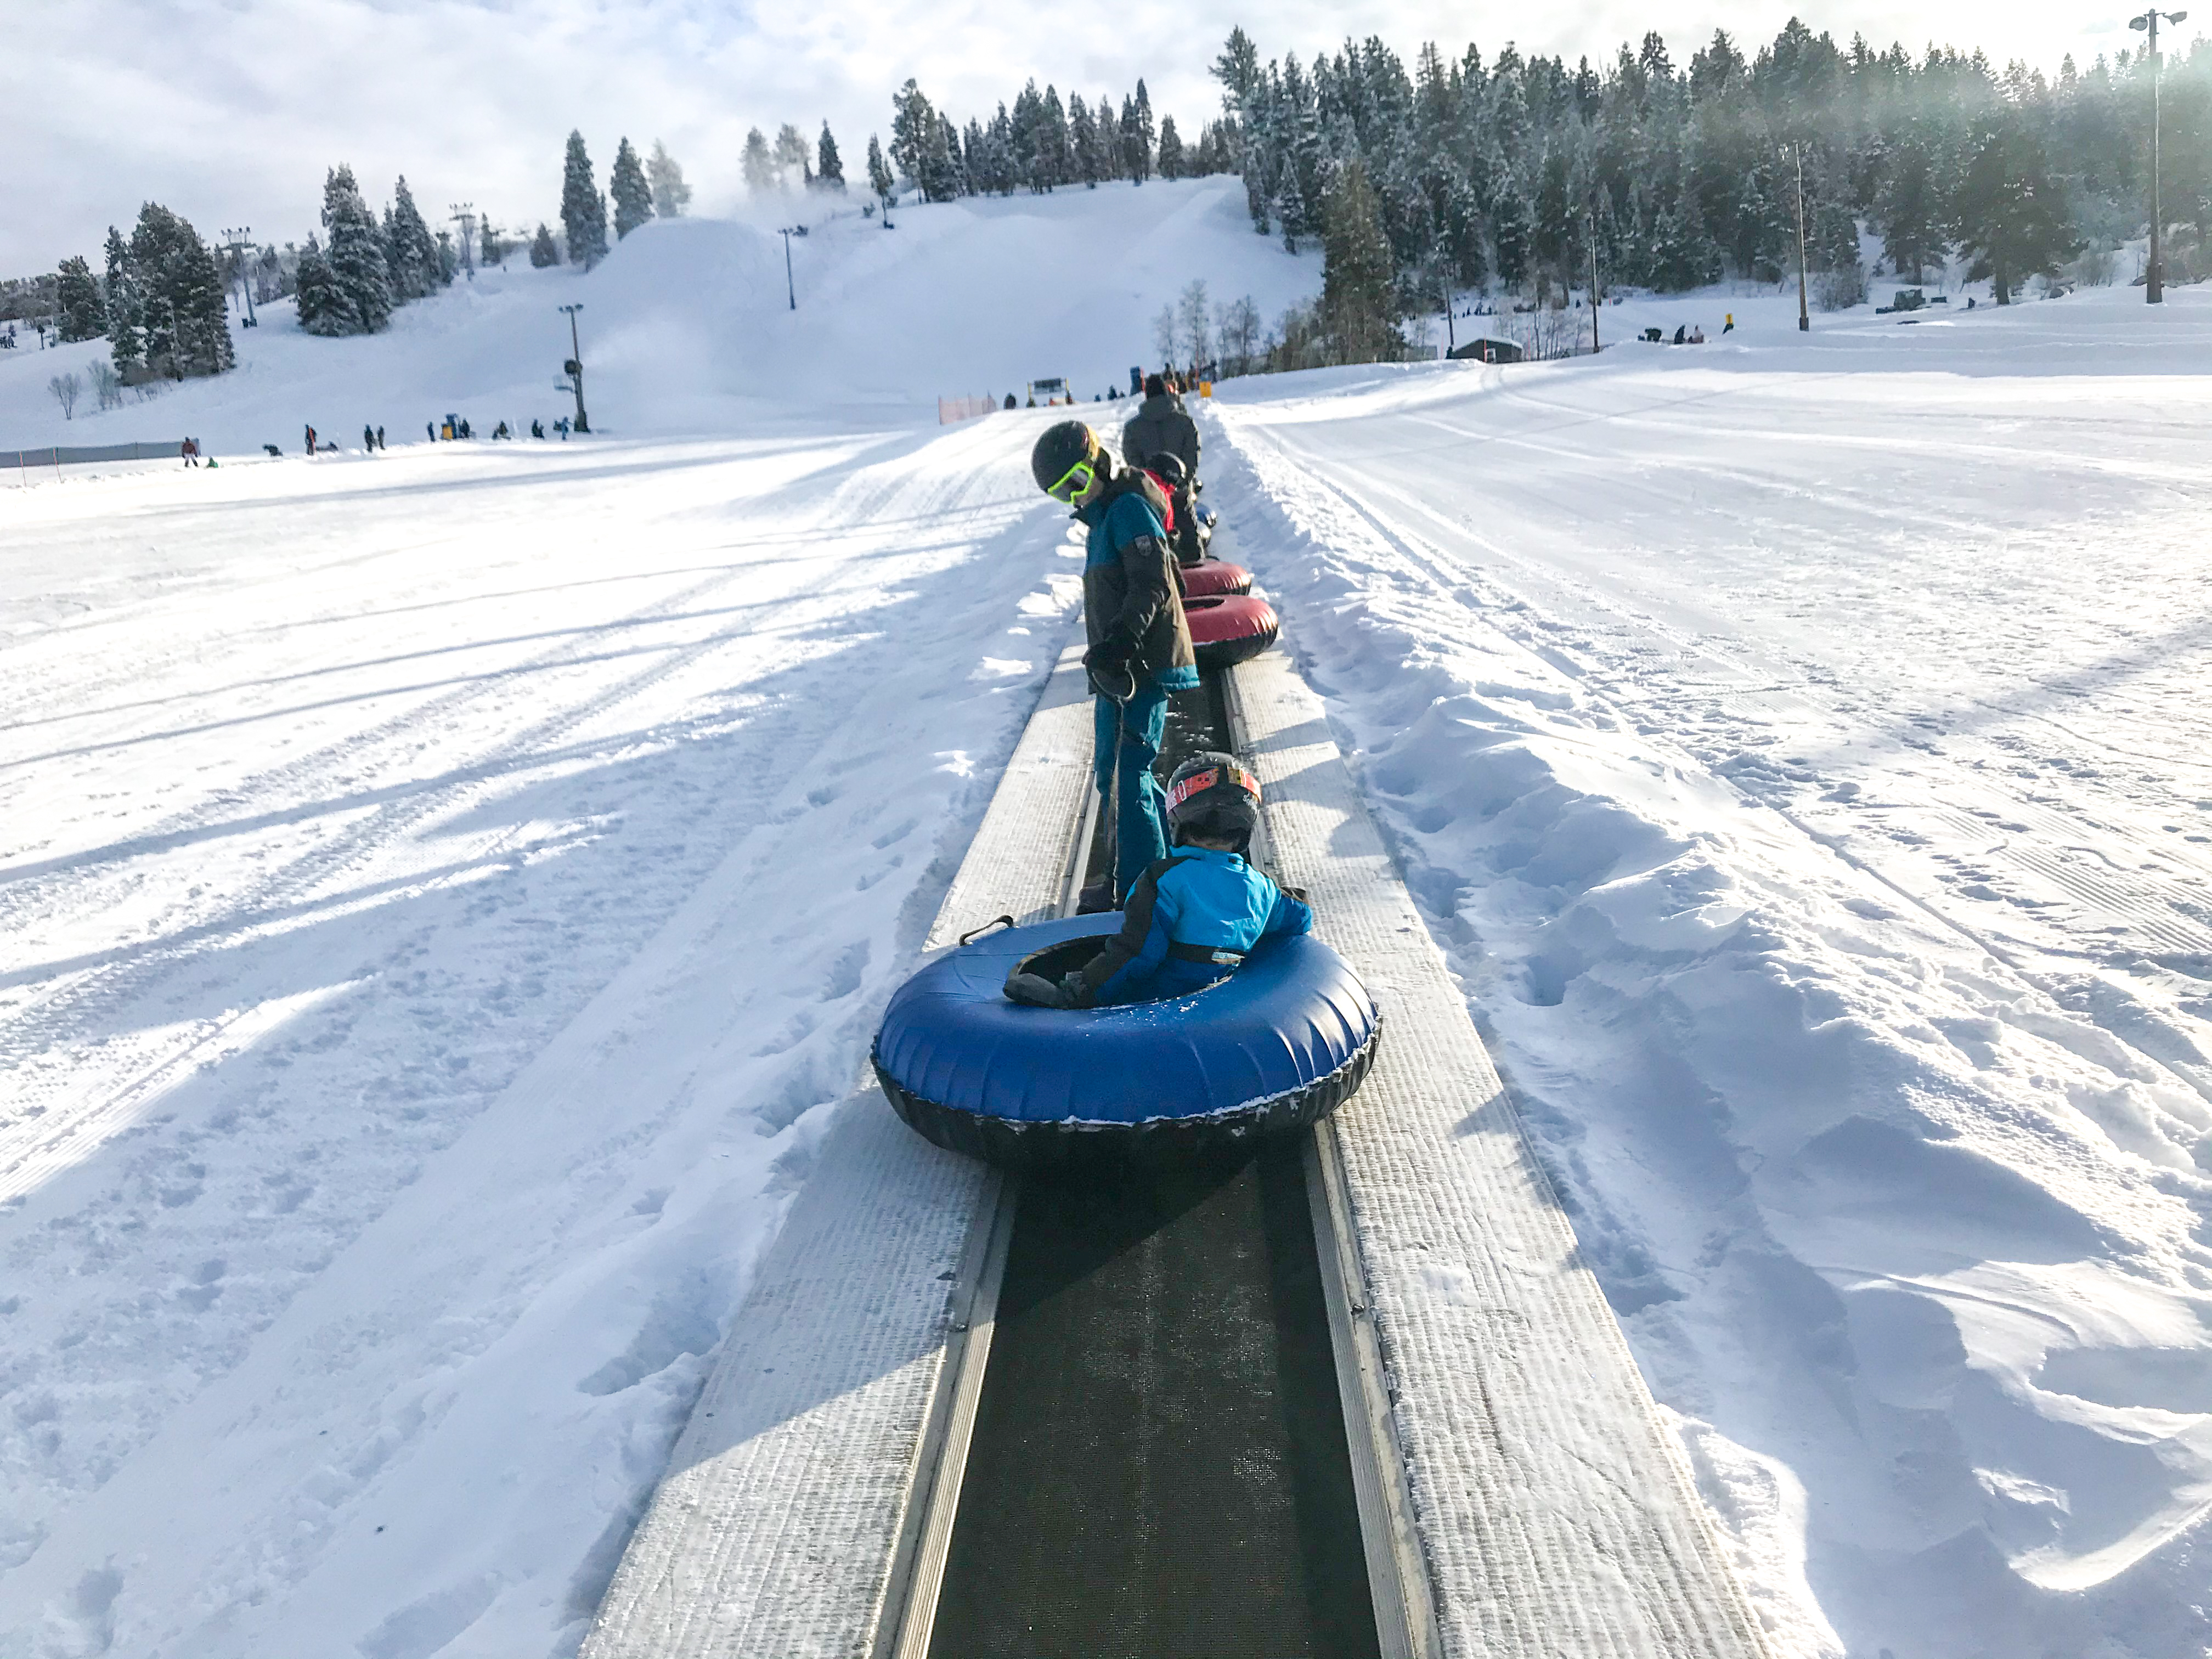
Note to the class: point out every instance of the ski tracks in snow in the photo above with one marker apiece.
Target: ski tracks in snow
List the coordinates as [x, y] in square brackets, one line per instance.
[1873, 1172]
[270, 975]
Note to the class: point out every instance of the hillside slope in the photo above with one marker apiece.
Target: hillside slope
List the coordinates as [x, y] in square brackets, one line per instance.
[688, 329]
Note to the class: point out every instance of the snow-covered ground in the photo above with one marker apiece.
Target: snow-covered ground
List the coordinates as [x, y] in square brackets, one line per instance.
[442, 890]
[1799, 746]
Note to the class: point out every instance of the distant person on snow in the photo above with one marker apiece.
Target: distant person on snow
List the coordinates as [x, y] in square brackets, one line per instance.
[368, 439]
[192, 451]
[1194, 916]
[1159, 424]
[1681, 334]
[311, 441]
[537, 427]
[1141, 646]
[379, 437]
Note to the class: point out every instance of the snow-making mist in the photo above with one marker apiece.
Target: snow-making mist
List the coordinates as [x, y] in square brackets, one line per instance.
[446, 892]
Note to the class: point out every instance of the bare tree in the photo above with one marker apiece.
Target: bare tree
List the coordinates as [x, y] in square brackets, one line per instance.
[1237, 326]
[1197, 333]
[67, 389]
[107, 384]
[1165, 327]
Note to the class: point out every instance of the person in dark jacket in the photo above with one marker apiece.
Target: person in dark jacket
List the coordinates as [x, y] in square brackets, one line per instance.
[1141, 648]
[1194, 916]
[1161, 423]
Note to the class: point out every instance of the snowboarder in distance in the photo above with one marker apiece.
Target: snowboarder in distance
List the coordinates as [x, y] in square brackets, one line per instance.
[1192, 917]
[192, 451]
[311, 441]
[1162, 424]
[1141, 648]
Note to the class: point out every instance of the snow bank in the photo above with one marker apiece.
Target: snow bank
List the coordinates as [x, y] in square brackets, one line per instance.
[1915, 1241]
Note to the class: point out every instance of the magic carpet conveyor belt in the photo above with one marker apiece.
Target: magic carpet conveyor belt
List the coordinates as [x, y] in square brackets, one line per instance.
[1219, 1412]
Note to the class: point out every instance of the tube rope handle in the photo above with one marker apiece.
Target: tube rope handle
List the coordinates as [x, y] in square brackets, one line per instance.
[975, 933]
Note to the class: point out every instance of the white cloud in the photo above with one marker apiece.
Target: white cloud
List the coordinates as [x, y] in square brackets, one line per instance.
[230, 111]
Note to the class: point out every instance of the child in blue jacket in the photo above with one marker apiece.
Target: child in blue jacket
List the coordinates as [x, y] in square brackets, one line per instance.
[1192, 917]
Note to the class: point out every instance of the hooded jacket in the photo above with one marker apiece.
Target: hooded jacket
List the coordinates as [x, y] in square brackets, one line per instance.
[1161, 423]
[1131, 585]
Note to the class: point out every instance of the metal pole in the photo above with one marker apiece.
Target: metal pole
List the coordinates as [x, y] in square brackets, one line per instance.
[2155, 284]
[1804, 319]
[789, 287]
[576, 367]
[1592, 218]
[237, 245]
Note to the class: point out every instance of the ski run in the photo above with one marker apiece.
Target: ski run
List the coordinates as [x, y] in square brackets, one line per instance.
[446, 891]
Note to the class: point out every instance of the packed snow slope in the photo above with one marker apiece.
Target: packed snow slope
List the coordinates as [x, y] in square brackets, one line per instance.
[686, 326]
[1800, 746]
[442, 892]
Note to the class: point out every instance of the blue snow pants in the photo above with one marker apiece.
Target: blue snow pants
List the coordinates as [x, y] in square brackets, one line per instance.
[1127, 741]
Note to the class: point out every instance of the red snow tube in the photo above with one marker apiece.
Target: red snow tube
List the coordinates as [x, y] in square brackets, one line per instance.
[1215, 576]
[1226, 629]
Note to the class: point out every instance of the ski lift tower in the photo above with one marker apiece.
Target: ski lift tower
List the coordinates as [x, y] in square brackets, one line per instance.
[574, 368]
[234, 243]
[465, 215]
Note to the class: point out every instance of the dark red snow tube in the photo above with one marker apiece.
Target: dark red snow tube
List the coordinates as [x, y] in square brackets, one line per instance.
[1227, 629]
[1213, 576]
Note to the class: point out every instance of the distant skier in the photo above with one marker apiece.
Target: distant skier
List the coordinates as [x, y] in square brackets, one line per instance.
[1161, 423]
[1141, 648]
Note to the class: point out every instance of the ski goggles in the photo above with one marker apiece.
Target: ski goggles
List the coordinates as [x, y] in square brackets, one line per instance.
[1198, 782]
[1076, 481]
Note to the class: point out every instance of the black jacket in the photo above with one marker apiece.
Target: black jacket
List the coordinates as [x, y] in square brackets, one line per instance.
[1131, 583]
[1161, 424]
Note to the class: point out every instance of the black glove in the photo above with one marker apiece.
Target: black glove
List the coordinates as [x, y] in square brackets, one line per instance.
[1111, 654]
[1034, 990]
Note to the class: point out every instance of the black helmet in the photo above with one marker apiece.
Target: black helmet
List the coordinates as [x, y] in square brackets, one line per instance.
[1065, 446]
[1211, 794]
[1167, 466]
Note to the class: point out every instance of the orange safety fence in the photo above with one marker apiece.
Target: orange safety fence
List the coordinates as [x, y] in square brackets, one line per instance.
[950, 409]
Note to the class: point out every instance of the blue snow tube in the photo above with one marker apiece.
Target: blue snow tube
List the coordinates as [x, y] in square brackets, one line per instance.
[1278, 1045]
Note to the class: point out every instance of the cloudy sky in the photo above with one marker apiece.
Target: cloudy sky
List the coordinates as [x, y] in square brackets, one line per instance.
[230, 111]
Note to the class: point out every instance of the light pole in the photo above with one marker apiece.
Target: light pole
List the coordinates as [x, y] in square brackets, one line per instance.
[234, 242]
[2154, 278]
[789, 287]
[574, 366]
[464, 214]
[1804, 317]
[1591, 216]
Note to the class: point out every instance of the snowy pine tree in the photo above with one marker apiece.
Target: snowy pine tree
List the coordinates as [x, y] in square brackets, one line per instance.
[181, 293]
[1141, 163]
[355, 253]
[794, 167]
[913, 127]
[322, 302]
[84, 314]
[1171, 164]
[879, 173]
[1359, 298]
[492, 243]
[583, 209]
[633, 195]
[828, 166]
[126, 336]
[671, 195]
[410, 251]
[1088, 163]
[543, 251]
[759, 164]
